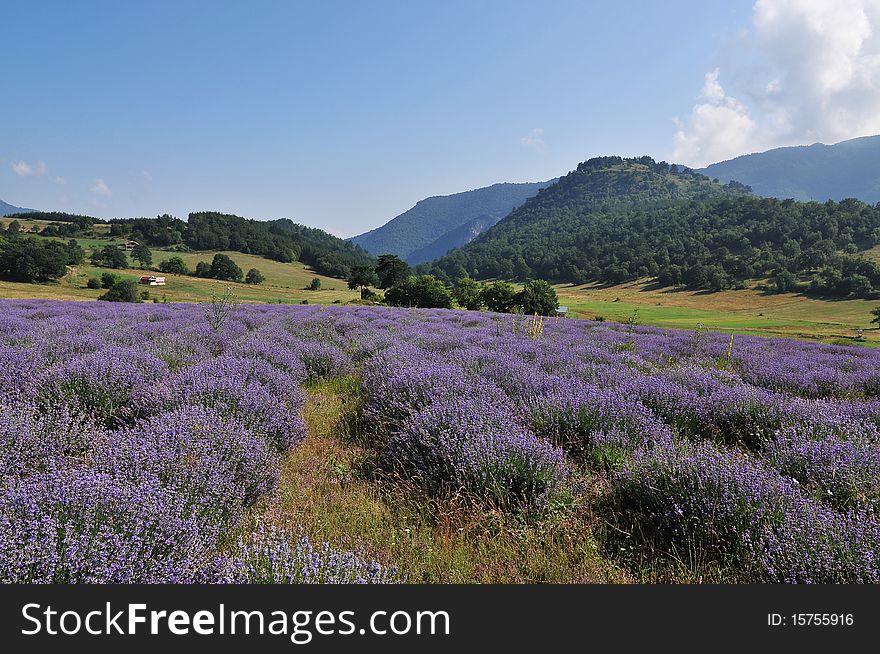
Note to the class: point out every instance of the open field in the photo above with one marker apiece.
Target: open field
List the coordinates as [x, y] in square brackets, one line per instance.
[746, 311]
[285, 282]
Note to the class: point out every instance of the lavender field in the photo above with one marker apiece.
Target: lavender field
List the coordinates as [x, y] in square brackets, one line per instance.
[141, 443]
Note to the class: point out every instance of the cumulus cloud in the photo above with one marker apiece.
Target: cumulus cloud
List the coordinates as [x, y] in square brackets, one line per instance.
[101, 188]
[25, 169]
[534, 140]
[811, 71]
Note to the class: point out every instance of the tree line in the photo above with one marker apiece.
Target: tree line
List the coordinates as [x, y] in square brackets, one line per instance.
[280, 240]
[405, 289]
[26, 258]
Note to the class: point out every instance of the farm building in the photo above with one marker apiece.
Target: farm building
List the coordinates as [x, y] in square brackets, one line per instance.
[152, 280]
[128, 246]
[562, 311]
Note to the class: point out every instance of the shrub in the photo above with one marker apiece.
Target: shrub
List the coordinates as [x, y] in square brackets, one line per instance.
[108, 279]
[79, 526]
[115, 384]
[213, 461]
[93, 283]
[843, 473]
[254, 276]
[35, 439]
[537, 297]
[274, 556]
[259, 397]
[701, 504]
[499, 296]
[425, 291]
[123, 291]
[472, 445]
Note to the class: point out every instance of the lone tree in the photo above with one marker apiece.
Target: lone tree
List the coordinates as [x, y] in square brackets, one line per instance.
[254, 276]
[142, 253]
[469, 293]
[203, 269]
[314, 285]
[362, 277]
[876, 313]
[391, 270]
[222, 267]
[537, 297]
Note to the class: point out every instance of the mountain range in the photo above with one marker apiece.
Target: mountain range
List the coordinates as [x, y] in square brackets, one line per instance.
[849, 169]
[436, 224]
[613, 220]
[8, 209]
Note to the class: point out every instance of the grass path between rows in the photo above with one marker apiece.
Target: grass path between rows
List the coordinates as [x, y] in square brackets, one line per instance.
[328, 493]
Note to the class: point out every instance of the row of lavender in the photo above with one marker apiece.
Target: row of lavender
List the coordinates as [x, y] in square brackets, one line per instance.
[762, 455]
[133, 440]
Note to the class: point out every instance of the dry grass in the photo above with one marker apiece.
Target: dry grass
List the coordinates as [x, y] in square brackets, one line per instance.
[328, 493]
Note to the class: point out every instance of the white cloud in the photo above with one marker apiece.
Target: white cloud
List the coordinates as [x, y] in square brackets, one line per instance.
[812, 71]
[57, 180]
[24, 169]
[101, 188]
[719, 127]
[534, 140]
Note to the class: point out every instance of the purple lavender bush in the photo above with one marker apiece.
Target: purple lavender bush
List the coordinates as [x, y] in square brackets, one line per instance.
[81, 526]
[697, 502]
[213, 461]
[117, 384]
[468, 444]
[844, 473]
[33, 440]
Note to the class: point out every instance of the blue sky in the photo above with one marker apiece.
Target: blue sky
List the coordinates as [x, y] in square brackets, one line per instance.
[341, 115]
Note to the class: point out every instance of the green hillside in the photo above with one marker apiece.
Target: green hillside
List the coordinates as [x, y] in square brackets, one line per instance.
[614, 220]
[285, 282]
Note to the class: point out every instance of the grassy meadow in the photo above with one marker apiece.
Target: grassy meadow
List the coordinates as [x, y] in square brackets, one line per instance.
[747, 311]
[285, 282]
